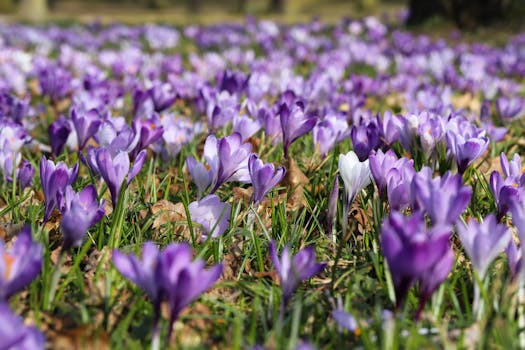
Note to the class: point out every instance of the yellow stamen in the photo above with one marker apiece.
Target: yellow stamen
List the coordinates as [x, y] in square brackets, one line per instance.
[357, 332]
[8, 261]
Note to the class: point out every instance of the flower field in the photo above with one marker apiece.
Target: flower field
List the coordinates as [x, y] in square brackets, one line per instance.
[260, 186]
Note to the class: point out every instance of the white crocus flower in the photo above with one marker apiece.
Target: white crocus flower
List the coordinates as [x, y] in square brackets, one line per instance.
[356, 175]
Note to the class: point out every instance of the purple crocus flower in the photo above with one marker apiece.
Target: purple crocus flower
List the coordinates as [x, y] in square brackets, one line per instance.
[200, 173]
[184, 280]
[86, 125]
[466, 148]
[246, 126]
[517, 208]
[143, 272]
[205, 174]
[411, 250]
[329, 131]
[59, 131]
[344, 319]
[168, 275]
[483, 242]
[513, 258]
[399, 184]
[271, 124]
[365, 137]
[25, 174]
[115, 139]
[443, 198]
[295, 122]
[148, 131]
[79, 213]
[162, 96]
[510, 108]
[54, 179]
[438, 272]
[264, 177]
[114, 169]
[293, 270]
[220, 109]
[506, 190]
[212, 214]
[381, 164]
[233, 160]
[20, 265]
[15, 335]
[391, 126]
[233, 82]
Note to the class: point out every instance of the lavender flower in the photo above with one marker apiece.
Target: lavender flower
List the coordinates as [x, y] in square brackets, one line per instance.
[246, 126]
[510, 108]
[86, 125]
[465, 147]
[517, 208]
[483, 242]
[20, 265]
[169, 275]
[59, 131]
[54, 179]
[114, 169]
[15, 335]
[25, 174]
[443, 198]
[232, 160]
[412, 251]
[513, 258]
[382, 166]
[506, 190]
[148, 131]
[212, 214]
[264, 177]
[329, 131]
[79, 213]
[292, 271]
[365, 137]
[205, 174]
[162, 96]
[295, 122]
[143, 272]
[184, 280]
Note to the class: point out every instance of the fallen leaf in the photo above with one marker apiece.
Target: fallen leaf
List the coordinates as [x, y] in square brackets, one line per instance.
[83, 337]
[167, 212]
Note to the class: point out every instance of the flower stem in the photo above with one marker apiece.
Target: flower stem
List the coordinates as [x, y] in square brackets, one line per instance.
[54, 280]
[521, 314]
[155, 340]
[251, 224]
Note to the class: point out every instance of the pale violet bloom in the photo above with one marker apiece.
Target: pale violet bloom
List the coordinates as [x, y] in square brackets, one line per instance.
[212, 214]
[483, 242]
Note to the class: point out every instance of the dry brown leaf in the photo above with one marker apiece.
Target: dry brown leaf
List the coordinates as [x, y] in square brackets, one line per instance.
[466, 101]
[8, 230]
[167, 212]
[294, 175]
[54, 221]
[295, 180]
[243, 195]
[84, 337]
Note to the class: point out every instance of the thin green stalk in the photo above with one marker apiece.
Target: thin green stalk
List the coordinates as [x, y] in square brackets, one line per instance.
[54, 281]
[251, 222]
[118, 219]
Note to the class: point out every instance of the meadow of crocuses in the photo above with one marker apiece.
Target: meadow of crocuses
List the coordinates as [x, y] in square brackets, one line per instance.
[260, 186]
